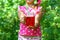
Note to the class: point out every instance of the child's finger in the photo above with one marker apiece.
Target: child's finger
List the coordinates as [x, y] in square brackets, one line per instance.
[31, 27]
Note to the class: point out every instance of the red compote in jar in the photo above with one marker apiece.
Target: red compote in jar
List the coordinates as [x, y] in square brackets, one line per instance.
[30, 21]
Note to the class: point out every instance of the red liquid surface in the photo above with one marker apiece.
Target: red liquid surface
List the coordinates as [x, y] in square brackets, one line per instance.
[30, 21]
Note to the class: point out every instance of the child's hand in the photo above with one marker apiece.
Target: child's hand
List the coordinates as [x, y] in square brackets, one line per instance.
[36, 24]
[22, 20]
[31, 27]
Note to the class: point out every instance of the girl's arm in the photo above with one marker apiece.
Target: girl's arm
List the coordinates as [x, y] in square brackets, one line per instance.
[21, 16]
[38, 18]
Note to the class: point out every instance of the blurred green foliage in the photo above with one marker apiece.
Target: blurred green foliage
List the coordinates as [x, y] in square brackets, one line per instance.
[9, 21]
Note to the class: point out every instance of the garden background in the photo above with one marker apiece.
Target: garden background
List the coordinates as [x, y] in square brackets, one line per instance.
[9, 21]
